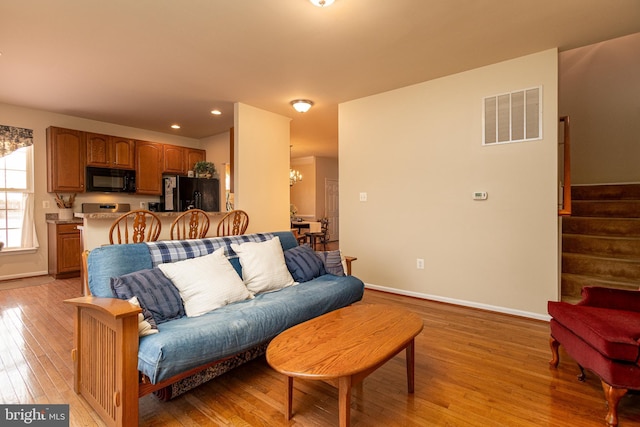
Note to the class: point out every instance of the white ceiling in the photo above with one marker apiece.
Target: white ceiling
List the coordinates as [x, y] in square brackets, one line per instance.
[151, 63]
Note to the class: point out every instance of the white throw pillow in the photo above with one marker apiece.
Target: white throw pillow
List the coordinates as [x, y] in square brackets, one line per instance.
[144, 327]
[263, 265]
[206, 283]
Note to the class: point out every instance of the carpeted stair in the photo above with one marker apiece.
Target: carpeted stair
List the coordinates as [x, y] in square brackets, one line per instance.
[601, 239]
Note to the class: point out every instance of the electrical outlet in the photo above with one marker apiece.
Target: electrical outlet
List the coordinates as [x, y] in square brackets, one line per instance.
[46, 204]
[143, 205]
[420, 264]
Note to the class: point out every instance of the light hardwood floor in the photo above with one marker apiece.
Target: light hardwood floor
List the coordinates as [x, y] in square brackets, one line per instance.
[473, 368]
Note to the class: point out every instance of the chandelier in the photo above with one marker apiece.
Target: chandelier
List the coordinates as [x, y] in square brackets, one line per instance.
[294, 176]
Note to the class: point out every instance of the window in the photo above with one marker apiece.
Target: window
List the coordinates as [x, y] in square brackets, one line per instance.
[16, 193]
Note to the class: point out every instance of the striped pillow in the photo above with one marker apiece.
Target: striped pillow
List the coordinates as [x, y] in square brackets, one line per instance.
[159, 298]
[303, 264]
[332, 261]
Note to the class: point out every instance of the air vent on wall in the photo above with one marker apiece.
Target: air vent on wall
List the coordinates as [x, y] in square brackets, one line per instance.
[512, 117]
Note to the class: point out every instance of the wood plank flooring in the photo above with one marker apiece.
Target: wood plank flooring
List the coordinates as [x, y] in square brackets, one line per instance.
[473, 368]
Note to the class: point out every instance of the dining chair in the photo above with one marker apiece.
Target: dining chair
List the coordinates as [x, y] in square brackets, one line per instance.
[191, 224]
[319, 237]
[233, 223]
[140, 225]
[301, 238]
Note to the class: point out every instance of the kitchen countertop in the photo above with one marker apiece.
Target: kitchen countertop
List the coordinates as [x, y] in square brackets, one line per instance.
[114, 215]
[65, 221]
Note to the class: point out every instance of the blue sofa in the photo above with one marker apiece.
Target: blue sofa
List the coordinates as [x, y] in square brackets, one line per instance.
[112, 361]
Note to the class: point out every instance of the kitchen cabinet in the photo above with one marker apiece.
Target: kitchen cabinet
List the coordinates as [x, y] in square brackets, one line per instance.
[192, 156]
[110, 151]
[149, 160]
[180, 160]
[66, 159]
[64, 249]
[173, 159]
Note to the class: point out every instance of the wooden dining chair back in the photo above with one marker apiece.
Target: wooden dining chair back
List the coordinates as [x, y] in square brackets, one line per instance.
[192, 224]
[135, 227]
[233, 223]
[323, 236]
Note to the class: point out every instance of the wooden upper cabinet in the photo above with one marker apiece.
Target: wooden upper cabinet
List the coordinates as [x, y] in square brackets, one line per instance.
[123, 152]
[110, 151]
[149, 163]
[192, 156]
[173, 159]
[66, 159]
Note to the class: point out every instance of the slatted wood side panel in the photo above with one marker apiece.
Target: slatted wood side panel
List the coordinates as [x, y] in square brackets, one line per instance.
[98, 365]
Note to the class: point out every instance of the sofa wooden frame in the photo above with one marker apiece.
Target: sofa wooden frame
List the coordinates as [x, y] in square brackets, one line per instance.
[105, 356]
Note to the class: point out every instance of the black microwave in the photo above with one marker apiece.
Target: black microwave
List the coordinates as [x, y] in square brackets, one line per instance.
[111, 180]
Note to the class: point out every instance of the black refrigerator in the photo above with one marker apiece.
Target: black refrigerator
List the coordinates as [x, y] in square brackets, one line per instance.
[181, 193]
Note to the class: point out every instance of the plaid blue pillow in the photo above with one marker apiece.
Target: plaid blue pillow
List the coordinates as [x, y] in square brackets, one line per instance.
[303, 264]
[332, 261]
[159, 298]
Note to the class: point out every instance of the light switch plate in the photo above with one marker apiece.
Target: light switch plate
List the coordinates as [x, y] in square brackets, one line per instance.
[363, 197]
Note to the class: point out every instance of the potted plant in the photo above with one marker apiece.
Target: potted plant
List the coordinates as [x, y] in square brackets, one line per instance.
[204, 169]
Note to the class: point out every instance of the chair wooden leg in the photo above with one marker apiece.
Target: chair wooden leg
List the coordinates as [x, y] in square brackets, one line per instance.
[613, 396]
[555, 357]
[582, 376]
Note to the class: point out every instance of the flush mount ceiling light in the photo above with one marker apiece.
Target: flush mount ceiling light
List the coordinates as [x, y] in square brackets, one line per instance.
[322, 3]
[175, 126]
[216, 112]
[301, 105]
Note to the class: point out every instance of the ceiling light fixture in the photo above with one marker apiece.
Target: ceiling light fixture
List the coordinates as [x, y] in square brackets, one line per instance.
[216, 112]
[322, 3]
[175, 126]
[301, 105]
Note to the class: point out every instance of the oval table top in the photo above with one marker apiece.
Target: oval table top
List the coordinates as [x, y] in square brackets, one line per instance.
[343, 342]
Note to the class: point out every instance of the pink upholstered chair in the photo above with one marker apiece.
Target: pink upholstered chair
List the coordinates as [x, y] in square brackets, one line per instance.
[601, 333]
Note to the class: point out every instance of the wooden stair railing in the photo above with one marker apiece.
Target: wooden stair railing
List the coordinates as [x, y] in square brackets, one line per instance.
[565, 207]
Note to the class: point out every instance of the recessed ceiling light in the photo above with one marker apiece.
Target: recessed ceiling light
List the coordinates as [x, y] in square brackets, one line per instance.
[216, 112]
[322, 3]
[175, 126]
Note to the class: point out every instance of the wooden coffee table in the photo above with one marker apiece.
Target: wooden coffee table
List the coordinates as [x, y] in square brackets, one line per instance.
[343, 347]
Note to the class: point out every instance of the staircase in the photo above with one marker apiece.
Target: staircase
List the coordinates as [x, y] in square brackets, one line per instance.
[601, 239]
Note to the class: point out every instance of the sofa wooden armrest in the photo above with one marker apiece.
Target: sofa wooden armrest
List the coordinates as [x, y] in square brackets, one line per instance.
[348, 260]
[105, 357]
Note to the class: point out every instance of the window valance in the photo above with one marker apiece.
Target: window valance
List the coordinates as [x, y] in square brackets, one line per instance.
[13, 138]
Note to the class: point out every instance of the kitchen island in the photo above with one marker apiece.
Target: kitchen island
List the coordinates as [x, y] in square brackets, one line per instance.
[95, 226]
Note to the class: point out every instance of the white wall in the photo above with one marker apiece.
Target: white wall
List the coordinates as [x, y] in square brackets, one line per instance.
[36, 263]
[600, 92]
[417, 153]
[308, 195]
[218, 152]
[262, 168]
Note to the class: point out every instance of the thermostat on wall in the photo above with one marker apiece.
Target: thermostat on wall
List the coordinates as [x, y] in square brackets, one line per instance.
[480, 195]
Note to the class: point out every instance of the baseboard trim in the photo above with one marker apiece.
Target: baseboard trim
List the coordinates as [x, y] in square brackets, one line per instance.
[464, 303]
[24, 275]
